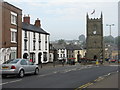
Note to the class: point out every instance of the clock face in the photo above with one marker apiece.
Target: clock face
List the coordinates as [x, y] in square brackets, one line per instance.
[94, 32]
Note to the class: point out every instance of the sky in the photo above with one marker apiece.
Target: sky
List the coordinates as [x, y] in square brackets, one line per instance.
[66, 19]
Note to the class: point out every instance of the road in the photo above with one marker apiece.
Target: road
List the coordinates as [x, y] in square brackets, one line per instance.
[59, 77]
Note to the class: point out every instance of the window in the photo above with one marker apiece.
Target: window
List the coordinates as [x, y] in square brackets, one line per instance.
[13, 35]
[33, 35]
[34, 41]
[45, 42]
[13, 18]
[39, 41]
[39, 37]
[39, 45]
[25, 44]
[11, 61]
[23, 62]
[33, 45]
[25, 34]
[45, 46]
[45, 37]
[58, 55]
[61, 55]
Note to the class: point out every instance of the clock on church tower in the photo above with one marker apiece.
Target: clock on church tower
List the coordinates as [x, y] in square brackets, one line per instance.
[94, 43]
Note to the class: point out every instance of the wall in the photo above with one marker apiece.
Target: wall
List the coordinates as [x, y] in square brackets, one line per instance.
[0, 24]
[82, 53]
[95, 41]
[30, 45]
[6, 33]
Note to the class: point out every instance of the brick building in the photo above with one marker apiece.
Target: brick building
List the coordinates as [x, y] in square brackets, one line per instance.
[10, 30]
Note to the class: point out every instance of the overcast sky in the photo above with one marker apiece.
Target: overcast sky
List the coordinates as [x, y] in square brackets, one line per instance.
[66, 19]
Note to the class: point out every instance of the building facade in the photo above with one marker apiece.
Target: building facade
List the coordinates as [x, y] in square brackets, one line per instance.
[81, 52]
[75, 51]
[111, 51]
[57, 52]
[11, 33]
[35, 41]
[94, 46]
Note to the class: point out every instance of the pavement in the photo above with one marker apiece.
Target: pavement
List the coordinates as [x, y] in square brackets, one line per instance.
[53, 65]
[110, 81]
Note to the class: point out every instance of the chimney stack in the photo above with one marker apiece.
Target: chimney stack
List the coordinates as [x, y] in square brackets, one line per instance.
[37, 23]
[26, 19]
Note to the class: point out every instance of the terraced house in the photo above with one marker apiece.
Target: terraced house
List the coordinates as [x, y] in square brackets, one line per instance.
[10, 31]
[35, 41]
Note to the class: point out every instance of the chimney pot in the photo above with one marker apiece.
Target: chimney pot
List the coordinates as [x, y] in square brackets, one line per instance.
[26, 19]
[37, 23]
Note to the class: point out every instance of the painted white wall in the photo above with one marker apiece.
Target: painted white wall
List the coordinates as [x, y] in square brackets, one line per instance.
[5, 53]
[30, 45]
[60, 53]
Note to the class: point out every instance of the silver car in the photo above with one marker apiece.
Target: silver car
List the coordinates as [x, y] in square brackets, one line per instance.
[19, 67]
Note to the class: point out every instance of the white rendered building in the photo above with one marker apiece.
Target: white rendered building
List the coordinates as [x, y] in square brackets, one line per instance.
[35, 42]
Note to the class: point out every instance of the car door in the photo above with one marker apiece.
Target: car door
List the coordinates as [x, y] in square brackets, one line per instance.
[31, 67]
[24, 65]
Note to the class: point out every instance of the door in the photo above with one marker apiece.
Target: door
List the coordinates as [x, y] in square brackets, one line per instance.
[39, 58]
[31, 67]
[24, 64]
[32, 57]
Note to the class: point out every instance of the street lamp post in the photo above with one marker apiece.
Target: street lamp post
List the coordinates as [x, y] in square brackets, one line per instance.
[110, 25]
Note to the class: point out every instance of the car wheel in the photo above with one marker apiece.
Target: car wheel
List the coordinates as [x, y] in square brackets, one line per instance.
[36, 71]
[21, 73]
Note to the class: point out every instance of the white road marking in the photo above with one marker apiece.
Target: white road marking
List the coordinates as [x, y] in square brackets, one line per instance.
[45, 74]
[66, 70]
[114, 65]
[109, 74]
[41, 75]
[10, 82]
[55, 72]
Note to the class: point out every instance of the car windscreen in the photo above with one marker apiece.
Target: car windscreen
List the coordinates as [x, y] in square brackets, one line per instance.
[12, 61]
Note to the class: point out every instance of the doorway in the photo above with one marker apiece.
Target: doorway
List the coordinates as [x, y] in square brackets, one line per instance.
[39, 58]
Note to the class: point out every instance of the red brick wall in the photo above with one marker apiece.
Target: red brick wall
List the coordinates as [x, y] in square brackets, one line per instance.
[6, 25]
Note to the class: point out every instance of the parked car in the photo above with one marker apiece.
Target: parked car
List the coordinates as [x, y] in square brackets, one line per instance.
[19, 67]
[113, 60]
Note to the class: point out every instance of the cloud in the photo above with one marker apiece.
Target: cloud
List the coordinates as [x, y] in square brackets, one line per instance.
[57, 14]
[63, 1]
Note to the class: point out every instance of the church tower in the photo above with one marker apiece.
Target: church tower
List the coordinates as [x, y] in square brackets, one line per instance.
[94, 43]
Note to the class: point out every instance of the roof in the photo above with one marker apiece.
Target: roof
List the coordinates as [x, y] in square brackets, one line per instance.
[32, 28]
[58, 46]
[11, 5]
[73, 47]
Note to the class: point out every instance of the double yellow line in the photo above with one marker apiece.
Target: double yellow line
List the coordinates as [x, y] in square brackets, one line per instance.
[84, 86]
[90, 83]
[98, 79]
